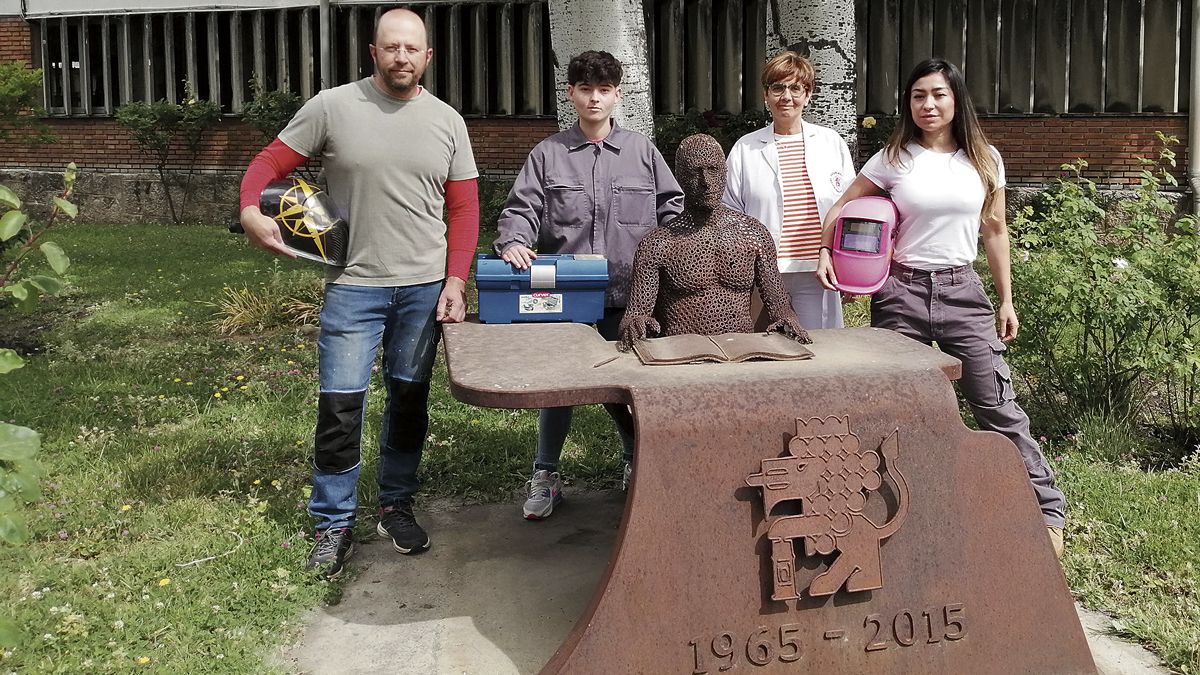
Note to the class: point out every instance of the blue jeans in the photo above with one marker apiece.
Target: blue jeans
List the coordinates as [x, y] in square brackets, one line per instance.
[354, 320]
[553, 423]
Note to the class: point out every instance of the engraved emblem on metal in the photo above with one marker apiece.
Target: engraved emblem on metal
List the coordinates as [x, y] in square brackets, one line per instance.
[827, 470]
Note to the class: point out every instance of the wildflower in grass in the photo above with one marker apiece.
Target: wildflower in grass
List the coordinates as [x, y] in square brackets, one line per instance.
[243, 388]
[143, 660]
[216, 394]
[239, 378]
[285, 544]
[62, 535]
[189, 383]
[178, 379]
[224, 388]
[125, 507]
[164, 582]
[258, 481]
[118, 624]
[276, 484]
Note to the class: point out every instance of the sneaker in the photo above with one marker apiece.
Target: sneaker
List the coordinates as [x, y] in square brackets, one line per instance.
[545, 492]
[627, 477]
[329, 555]
[398, 524]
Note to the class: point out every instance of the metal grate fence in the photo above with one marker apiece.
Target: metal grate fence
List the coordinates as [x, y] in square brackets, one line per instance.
[1032, 56]
[93, 64]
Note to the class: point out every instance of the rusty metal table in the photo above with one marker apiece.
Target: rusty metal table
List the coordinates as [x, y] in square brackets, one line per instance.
[831, 515]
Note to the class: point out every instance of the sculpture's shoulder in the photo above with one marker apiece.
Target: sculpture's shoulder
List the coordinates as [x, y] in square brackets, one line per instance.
[746, 228]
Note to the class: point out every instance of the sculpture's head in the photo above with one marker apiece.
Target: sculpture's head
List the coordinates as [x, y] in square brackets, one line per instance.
[700, 170]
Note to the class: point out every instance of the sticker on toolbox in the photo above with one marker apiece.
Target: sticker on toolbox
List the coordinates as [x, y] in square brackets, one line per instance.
[541, 303]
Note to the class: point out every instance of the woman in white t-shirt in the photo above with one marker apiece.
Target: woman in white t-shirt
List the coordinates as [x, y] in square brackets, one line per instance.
[787, 175]
[948, 185]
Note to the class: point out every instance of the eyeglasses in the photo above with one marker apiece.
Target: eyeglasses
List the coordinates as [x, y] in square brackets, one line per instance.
[778, 88]
[393, 50]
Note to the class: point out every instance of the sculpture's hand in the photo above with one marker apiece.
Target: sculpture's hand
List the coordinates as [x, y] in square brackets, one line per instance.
[791, 328]
[634, 328]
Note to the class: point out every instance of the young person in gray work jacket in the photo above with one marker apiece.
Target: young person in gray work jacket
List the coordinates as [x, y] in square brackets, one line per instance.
[594, 188]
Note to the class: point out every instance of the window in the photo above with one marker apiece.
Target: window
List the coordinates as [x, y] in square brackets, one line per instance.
[490, 58]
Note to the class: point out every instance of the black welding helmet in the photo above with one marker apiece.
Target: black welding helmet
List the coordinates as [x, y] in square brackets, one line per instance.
[308, 220]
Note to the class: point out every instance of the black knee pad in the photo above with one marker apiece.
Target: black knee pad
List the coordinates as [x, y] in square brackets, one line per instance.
[408, 420]
[338, 439]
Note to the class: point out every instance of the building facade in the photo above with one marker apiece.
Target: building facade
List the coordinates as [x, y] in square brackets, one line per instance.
[1055, 80]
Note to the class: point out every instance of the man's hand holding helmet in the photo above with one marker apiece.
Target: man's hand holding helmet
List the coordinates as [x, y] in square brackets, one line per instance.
[263, 232]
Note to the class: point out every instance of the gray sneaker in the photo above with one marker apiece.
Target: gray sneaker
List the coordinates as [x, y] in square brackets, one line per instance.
[545, 492]
[627, 477]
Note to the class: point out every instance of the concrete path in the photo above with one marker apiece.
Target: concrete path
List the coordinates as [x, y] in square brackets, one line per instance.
[496, 595]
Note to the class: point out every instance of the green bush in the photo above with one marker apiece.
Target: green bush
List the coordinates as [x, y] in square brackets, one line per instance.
[19, 468]
[162, 129]
[669, 130]
[270, 111]
[1111, 300]
[20, 103]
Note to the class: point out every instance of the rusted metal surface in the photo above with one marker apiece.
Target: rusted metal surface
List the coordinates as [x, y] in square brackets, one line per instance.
[933, 559]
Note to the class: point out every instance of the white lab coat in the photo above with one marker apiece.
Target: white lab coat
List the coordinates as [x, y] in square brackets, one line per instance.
[754, 186]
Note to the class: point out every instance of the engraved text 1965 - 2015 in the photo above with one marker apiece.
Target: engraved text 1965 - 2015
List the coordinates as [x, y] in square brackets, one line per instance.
[764, 645]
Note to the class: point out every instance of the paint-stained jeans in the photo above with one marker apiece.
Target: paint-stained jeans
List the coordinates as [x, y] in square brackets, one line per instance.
[951, 308]
[355, 320]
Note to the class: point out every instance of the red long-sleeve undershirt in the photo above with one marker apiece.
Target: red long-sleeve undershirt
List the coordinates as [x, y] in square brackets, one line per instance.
[278, 160]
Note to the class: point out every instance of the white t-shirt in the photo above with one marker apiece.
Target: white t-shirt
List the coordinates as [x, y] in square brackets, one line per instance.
[940, 199]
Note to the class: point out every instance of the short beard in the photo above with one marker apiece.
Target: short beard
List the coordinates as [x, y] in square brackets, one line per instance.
[395, 87]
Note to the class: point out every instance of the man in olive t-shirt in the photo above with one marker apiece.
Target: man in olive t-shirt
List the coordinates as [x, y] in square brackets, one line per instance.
[394, 156]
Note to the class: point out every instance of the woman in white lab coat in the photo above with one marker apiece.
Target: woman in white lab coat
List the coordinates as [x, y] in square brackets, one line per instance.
[787, 175]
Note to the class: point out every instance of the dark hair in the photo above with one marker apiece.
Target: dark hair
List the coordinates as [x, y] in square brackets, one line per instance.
[594, 67]
[964, 126]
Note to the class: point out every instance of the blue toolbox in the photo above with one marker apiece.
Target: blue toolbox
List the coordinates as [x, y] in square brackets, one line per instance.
[566, 288]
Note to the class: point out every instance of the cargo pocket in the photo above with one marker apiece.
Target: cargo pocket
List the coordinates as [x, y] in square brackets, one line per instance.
[1004, 386]
[567, 206]
[634, 205]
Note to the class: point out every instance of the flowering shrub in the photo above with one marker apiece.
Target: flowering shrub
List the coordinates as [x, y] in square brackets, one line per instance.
[1110, 298]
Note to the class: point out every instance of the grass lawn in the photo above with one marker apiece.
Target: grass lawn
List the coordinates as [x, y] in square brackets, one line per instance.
[172, 531]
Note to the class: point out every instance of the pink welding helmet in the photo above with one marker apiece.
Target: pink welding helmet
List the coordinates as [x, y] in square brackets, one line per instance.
[862, 244]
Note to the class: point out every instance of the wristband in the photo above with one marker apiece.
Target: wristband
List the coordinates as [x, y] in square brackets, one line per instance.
[826, 248]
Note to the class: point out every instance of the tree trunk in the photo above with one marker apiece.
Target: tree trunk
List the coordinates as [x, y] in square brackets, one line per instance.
[823, 30]
[615, 26]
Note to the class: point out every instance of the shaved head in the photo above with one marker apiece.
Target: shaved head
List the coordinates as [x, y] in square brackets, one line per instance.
[403, 19]
[401, 53]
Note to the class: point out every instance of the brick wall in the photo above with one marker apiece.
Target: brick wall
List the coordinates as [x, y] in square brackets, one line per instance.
[1035, 147]
[15, 40]
[100, 144]
[501, 145]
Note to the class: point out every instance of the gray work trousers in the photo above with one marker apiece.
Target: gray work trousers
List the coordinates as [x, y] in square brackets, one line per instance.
[951, 308]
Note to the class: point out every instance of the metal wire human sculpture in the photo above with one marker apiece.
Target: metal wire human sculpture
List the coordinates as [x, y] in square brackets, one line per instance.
[696, 273]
